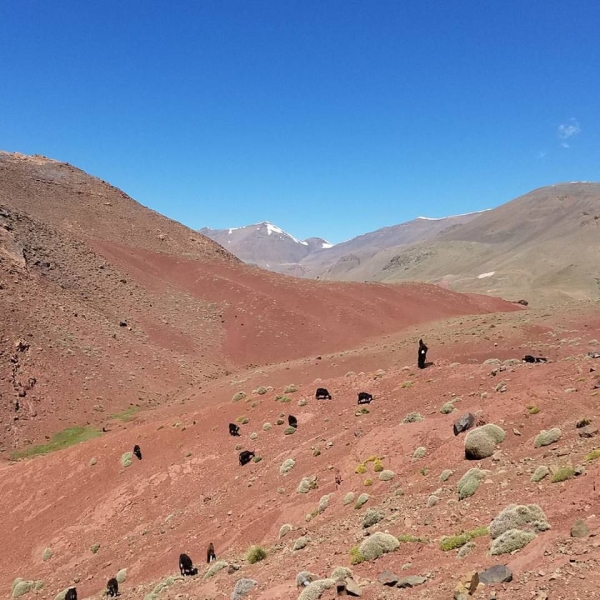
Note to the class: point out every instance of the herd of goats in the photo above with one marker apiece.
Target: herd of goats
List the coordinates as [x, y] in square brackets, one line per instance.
[186, 566]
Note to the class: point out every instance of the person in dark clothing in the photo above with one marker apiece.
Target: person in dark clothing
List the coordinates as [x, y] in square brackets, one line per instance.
[422, 354]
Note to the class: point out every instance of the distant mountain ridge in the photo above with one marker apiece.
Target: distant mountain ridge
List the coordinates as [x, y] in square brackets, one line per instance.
[543, 246]
[265, 245]
[270, 247]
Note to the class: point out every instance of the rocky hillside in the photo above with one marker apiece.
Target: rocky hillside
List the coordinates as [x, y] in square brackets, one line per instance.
[513, 498]
[106, 306]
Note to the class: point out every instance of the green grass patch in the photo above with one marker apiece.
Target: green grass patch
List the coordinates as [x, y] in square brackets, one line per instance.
[533, 410]
[355, 556]
[255, 554]
[456, 541]
[62, 439]
[593, 455]
[126, 415]
[563, 474]
[407, 539]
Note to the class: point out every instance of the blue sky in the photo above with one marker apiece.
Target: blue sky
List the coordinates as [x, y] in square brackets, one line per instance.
[328, 118]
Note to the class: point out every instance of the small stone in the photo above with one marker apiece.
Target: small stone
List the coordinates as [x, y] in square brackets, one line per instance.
[352, 588]
[580, 529]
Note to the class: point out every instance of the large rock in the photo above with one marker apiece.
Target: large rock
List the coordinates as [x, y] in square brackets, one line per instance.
[411, 581]
[242, 587]
[481, 442]
[465, 422]
[388, 578]
[496, 574]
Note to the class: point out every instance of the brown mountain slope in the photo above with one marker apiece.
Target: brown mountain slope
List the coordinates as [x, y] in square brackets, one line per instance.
[544, 246]
[105, 304]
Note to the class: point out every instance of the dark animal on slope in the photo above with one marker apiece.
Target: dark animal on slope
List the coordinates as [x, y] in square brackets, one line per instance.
[364, 398]
[137, 451]
[422, 354]
[71, 594]
[112, 588]
[292, 421]
[186, 566]
[234, 429]
[210, 553]
[322, 394]
[245, 457]
[534, 359]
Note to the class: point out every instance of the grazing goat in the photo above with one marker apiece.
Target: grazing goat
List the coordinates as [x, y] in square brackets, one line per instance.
[245, 457]
[322, 394]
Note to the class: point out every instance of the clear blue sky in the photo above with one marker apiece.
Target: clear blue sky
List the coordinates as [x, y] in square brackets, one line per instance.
[326, 117]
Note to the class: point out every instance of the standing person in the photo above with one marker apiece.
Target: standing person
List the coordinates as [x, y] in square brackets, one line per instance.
[422, 354]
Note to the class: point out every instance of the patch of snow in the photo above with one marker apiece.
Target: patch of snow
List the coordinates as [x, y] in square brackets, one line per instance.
[452, 216]
[484, 275]
[233, 229]
[327, 245]
[274, 229]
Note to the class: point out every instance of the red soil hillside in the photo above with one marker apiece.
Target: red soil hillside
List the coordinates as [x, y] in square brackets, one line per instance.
[189, 488]
[105, 305]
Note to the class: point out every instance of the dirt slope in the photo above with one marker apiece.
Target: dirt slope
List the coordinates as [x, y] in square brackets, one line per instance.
[106, 305]
[189, 489]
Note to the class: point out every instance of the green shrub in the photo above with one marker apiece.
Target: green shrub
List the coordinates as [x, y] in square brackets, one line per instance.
[360, 469]
[215, 568]
[302, 402]
[348, 498]
[280, 421]
[355, 556]
[563, 474]
[21, 588]
[323, 503]
[267, 426]
[284, 530]
[362, 411]
[445, 475]
[290, 389]
[257, 459]
[516, 516]
[261, 390]
[376, 545]
[545, 438]
[94, 548]
[121, 575]
[239, 396]
[255, 554]
[511, 540]
[253, 435]
[47, 555]
[386, 475]
[539, 474]
[448, 407]
[420, 452]
[368, 482]
[377, 466]
[242, 419]
[284, 399]
[469, 482]
[533, 410]
[287, 466]
[371, 517]
[362, 499]
[307, 484]
[289, 430]
[127, 459]
[413, 417]
[62, 439]
[481, 442]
